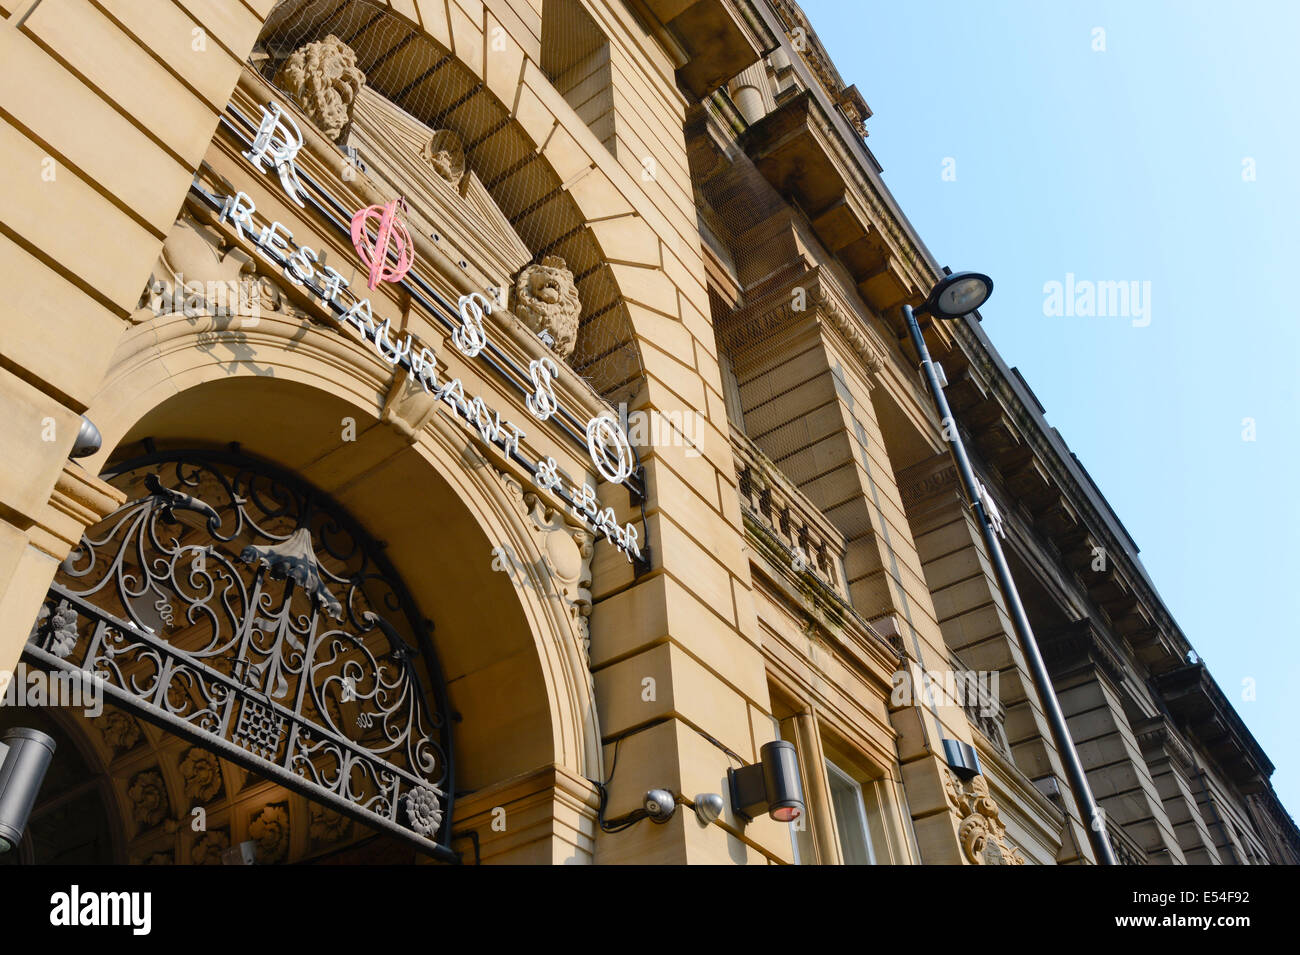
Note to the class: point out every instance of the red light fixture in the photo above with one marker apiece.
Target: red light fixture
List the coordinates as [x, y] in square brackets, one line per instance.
[771, 785]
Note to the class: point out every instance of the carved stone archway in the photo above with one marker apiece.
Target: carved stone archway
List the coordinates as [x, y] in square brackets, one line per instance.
[283, 393]
[237, 607]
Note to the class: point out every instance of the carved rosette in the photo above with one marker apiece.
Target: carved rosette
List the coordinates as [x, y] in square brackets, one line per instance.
[120, 730]
[424, 811]
[208, 850]
[324, 79]
[148, 797]
[545, 299]
[328, 825]
[271, 832]
[981, 832]
[202, 774]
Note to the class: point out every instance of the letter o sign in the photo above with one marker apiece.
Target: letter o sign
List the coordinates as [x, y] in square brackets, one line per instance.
[610, 450]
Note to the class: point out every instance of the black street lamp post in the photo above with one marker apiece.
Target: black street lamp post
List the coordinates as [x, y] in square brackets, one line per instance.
[957, 295]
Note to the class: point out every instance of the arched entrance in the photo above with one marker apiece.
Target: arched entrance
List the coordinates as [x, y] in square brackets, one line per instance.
[519, 693]
[235, 606]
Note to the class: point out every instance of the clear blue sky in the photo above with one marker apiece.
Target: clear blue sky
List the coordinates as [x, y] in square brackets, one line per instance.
[1127, 165]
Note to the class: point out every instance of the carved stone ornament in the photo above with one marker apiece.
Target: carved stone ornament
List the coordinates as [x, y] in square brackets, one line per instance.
[446, 155]
[424, 811]
[820, 296]
[208, 850]
[328, 825]
[59, 626]
[148, 797]
[202, 274]
[120, 730]
[408, 406]
[202, 774]
[565, 564]
[271, 832]
[981, 832]
[323, 77]
[546, 300]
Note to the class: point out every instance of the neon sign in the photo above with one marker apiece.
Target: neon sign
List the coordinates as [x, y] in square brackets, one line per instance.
[390, 232]
[275, 147]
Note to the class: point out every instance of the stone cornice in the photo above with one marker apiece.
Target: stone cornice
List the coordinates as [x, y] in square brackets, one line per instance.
[1117, 551]
[1156, 737]
[1082, 642]
[823, 298]
[814, 54]
[824, 107]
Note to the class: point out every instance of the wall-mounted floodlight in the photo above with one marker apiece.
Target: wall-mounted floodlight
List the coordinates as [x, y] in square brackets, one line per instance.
[771, 785]
[24, 757]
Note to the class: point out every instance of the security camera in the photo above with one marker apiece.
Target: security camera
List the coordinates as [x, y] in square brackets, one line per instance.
[24, 757]
[708, 807]
[660, 805]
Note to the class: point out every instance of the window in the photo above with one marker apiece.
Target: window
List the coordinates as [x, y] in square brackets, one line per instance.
[850, 817]
[854, 810]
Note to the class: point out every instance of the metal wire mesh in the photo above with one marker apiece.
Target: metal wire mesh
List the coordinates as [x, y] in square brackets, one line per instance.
[423, 79]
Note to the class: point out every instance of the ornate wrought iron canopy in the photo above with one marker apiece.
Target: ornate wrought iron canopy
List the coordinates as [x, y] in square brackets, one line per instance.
[234, 605]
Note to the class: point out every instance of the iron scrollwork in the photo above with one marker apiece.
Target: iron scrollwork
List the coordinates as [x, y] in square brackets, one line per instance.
[236, 606]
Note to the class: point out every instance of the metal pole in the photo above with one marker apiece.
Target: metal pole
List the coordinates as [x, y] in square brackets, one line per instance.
[1064, 744]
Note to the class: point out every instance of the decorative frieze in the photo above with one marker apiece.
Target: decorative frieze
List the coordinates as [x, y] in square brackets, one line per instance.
[809, 292]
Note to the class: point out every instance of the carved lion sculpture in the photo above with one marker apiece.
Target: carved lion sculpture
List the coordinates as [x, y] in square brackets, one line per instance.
[323, 77]
[446, 155]
[546, 300]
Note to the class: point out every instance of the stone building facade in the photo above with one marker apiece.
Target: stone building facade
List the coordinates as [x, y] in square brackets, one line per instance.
[621, 471]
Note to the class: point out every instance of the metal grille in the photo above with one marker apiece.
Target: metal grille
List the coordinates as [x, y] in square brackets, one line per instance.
[233, 605]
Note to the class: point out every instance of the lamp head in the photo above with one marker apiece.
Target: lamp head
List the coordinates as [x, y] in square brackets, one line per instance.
[958, 294]
[770, 786]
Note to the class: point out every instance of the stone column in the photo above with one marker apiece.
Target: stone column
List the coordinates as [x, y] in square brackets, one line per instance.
[1088, 677]
[1171, 766]
[806, 365]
